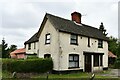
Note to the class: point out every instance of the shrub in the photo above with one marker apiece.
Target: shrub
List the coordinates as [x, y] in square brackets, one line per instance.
[117, 63]
[28, 65]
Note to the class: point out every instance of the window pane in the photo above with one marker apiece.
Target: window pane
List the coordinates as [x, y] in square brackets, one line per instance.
[71, 64]
[73, 41]
[71, 58]
[75, 58]
[48, 36]
[73, 37]
[100, 43]
[48, 41]
[76, 64]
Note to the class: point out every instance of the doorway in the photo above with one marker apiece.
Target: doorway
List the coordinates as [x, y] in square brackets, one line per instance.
[87, 61]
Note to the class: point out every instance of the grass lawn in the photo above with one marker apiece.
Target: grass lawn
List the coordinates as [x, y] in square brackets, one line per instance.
[71, 76]
[6, 74]
[81, 75]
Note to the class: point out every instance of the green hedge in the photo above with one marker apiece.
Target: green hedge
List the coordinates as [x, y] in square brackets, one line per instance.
[117, 63]
[28, 65]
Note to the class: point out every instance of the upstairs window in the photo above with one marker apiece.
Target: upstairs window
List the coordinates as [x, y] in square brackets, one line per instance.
[73, 61]
[74, 39]
[88, 41]
[47, 38]
[29, 46]
[100, 43]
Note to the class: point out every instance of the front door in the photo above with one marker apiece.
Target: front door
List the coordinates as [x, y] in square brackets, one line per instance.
[87, 63]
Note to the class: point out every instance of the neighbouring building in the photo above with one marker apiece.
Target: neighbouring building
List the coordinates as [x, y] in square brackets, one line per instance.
[31, 46]
[72, 45]
[18, 54]
[111, 58]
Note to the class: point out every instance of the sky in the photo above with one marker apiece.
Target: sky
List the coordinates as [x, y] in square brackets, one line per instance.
[20, 19]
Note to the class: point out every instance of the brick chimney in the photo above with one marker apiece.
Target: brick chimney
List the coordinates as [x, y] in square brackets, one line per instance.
[76, 16]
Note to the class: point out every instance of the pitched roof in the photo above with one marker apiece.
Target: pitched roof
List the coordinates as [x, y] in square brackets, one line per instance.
[110, 54]
[71, 27]
[68, 26]
[34, 38]
[18, 51]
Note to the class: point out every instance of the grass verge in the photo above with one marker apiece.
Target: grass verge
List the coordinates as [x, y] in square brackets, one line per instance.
[72, 76]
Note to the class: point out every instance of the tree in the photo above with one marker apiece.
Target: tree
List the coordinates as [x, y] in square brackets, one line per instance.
[0, 50]
[118, 49]
[4, 49]
[12, 48]
[113, 45]
[7, 50]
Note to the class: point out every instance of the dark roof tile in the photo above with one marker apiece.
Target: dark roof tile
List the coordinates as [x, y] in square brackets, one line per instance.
[34, 38]
[72, 27]
[69, 26]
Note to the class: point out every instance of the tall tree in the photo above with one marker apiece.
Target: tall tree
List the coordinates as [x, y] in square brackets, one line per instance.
[4, 49]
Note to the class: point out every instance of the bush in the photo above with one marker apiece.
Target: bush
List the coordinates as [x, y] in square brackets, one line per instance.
[28, 65]
[117, 63]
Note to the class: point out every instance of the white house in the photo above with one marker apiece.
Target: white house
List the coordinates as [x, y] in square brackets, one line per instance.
[31, 46]
[72, 45]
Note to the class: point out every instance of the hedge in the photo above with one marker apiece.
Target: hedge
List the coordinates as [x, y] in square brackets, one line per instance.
[28, 65]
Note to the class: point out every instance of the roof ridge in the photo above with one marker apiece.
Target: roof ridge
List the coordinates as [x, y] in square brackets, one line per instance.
[90, 26]
[58, 16]
[70, 20]
[66, 25]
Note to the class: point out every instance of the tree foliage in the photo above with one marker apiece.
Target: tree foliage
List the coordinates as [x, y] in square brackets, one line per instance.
[5, 50]
[118, 49]
[12, 48]
[0, 50]
[112, 45]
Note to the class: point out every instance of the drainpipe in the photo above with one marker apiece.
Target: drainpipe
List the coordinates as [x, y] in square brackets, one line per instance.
[60, 51]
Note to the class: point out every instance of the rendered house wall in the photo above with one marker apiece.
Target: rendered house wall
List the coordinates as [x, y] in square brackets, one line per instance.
[53, 47]
[60, 48]
[32, 50]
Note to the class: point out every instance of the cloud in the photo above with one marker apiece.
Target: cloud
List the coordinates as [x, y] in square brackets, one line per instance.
[21, 19]
[17, 36]
[19, 15]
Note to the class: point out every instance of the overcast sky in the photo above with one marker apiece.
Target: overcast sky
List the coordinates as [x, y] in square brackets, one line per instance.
[20, 19]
